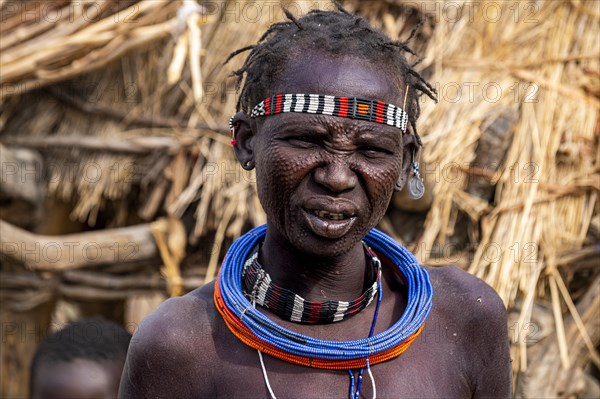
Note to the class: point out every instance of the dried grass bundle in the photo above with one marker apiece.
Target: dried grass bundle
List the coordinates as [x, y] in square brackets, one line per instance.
[46, 43]
[543, 65]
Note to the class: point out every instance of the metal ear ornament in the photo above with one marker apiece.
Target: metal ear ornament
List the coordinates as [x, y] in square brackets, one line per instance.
[248, 165]
[416, 188]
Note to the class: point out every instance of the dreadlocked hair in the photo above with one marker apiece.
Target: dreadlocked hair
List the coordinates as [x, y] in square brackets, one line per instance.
[337, 33]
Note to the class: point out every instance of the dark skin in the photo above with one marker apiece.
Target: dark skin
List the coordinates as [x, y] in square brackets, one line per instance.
[306, 164]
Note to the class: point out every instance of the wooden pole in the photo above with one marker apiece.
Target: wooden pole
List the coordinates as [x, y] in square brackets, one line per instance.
[74, 251]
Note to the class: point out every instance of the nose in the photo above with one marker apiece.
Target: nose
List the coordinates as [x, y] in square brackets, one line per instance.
[335, 176]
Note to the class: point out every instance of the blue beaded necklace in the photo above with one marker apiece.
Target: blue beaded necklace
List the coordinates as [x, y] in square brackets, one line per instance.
[419, 300]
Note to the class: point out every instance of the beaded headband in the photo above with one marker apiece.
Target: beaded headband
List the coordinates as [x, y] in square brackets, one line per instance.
[345, 107]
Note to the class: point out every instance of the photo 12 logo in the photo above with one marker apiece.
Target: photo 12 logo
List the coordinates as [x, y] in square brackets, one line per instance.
[471, 11]
[70, 251]
[490, 92]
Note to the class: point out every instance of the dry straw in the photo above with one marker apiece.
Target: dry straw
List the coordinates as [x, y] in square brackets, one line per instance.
[537, 63]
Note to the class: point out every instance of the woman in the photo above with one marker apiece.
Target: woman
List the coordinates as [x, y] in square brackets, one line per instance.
[317, 304]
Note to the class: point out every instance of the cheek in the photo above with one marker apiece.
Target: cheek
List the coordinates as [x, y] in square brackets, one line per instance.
[279, 171]
[380, 181]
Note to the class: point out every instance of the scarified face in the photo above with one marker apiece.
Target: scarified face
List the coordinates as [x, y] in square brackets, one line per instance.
[325, 181]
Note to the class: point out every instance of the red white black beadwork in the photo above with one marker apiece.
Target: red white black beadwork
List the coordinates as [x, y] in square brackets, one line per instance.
[345, 107]
[260, 289]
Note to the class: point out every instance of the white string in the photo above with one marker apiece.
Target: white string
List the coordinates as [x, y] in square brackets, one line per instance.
[262, 363]
[372, 381]
[264, 370]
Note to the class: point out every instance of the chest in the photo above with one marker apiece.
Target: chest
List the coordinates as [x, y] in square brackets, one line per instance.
[394, 379]
[429, 368]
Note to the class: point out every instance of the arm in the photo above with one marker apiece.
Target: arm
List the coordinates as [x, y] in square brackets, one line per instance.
[477, 313]
[491, 363]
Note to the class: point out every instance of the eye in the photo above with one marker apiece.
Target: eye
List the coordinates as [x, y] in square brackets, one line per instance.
[304, 141]
[374, 151]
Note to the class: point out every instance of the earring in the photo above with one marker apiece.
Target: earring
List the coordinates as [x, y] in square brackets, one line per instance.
[248, 165]
[416, 188]
[233, 141]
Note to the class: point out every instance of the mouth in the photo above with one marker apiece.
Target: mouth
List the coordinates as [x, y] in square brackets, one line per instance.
[329, 224]
[330, 215]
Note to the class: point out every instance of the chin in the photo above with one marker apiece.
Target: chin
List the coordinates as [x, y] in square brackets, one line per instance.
[307, 242]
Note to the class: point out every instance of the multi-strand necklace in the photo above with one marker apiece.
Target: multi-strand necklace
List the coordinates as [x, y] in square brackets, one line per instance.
[259, 332]
[259, 288]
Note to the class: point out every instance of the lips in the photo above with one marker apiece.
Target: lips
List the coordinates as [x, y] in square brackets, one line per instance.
[330, 218]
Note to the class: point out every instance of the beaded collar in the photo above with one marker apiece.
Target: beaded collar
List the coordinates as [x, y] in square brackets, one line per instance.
[259, 288]
[256, 330]
[345, 107]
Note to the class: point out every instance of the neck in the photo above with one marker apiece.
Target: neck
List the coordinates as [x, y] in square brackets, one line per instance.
[316, 279]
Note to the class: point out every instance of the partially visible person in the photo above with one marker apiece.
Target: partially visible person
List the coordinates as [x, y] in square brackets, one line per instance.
[83, 360]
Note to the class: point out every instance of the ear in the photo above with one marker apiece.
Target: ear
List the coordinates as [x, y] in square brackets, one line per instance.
[409, 148]
[244, 132]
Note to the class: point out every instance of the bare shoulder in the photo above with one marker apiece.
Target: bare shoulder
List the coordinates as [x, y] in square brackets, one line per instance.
[466, 296]
[171, 349]
[479, 314]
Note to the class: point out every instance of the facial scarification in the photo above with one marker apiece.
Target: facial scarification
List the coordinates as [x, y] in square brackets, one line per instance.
[325, 181]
